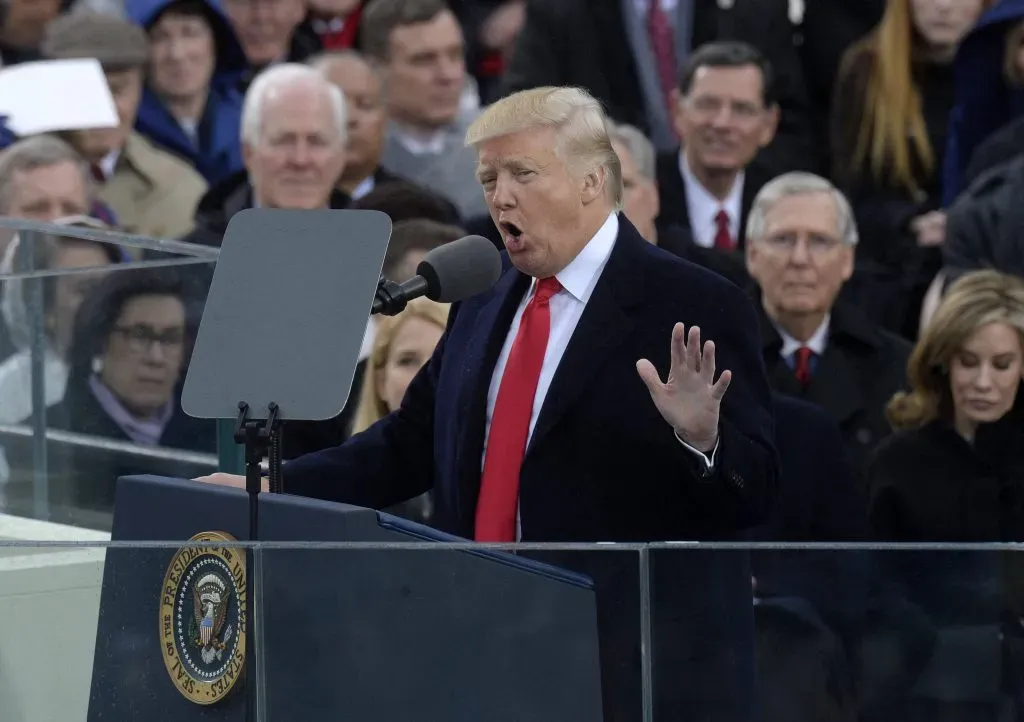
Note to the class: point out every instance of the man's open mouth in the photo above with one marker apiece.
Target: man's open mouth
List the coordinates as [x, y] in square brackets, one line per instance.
[511, 228]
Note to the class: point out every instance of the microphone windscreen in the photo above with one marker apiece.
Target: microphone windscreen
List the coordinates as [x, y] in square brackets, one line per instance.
[460, 269]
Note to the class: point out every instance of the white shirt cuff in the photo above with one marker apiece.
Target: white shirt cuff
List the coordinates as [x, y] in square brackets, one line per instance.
[708, 462]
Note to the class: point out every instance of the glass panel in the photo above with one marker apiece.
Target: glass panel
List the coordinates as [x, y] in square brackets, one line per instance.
[819, 632]
[381, 630]
[400, 630]
[95, 340]
[119, 631]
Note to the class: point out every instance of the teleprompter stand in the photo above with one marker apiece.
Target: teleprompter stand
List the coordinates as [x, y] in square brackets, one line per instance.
[292, 357]
[262, 439]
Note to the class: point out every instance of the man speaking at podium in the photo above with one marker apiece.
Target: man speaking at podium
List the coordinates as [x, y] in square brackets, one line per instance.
[574, 401]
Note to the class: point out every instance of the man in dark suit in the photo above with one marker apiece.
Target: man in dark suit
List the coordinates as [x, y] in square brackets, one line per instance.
[725, 110]
[801, 239]
[627, 53]
[641, 204]
[543, 416]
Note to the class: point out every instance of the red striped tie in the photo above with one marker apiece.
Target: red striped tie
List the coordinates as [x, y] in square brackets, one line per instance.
[803, 365]
[663, 48]
[510, 422]
[723, 236]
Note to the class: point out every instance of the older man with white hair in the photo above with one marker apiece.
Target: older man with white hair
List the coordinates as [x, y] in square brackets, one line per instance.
[603, 390]
[801, 240]
[293, 146]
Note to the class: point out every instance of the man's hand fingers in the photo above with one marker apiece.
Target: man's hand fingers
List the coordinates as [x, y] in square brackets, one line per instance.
[707, 362]
[721, 386]
[677, 348]
[649, 375]
[693, 349]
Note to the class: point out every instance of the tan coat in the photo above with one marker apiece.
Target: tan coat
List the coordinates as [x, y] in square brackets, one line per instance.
[153, 192]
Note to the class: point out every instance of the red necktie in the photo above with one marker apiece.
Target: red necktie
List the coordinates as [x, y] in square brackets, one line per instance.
[802, 367]
[510, 422]
[662, 46]
[723, 237]
[339, 37]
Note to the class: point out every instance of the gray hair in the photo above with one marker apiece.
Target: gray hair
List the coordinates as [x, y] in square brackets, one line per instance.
[799, 183]
[639, 147]
[286, 75]
[39, 151]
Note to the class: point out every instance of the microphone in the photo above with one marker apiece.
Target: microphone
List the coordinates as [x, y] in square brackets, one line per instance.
[449, 273]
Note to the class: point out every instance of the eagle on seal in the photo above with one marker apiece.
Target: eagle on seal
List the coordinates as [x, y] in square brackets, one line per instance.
[210, 609]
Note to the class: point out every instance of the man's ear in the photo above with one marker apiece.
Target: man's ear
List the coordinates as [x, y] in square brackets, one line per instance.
[750, 257]
[593, 185]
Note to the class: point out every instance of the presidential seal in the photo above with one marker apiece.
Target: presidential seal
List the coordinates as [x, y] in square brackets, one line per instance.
[203, 615]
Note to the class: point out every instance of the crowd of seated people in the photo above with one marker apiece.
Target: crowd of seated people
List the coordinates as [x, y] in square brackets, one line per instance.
[855, 165]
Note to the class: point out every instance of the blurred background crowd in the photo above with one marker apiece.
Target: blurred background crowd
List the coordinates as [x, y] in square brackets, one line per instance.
[858, 165]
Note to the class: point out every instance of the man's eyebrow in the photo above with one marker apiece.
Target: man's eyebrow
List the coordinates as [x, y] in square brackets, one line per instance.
[513, 164]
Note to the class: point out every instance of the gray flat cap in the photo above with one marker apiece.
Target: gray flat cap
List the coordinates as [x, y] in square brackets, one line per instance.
[115, 42]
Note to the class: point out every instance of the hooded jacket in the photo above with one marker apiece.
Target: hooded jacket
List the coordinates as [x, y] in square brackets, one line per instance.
[218, 152]
[985, 102]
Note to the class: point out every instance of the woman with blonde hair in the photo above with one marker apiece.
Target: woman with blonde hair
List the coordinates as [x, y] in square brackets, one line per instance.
[893, 97]
[954, 472]
[402, 344]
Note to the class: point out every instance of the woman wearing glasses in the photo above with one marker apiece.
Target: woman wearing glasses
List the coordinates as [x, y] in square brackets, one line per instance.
[127, 359]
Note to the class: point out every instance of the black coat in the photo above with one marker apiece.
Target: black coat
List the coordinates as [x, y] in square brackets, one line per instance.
[983, 225]
[672, 193]
[893, 272]
[92, 486]
[582, 43]
[861, 369]
[828, 28]
[602, 466]
[930, 485]
[727, 265]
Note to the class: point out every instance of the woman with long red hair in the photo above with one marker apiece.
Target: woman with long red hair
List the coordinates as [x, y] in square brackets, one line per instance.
[893, 97]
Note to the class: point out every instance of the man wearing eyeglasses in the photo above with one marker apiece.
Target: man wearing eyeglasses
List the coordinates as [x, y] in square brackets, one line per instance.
[800, 245]
[725, 111]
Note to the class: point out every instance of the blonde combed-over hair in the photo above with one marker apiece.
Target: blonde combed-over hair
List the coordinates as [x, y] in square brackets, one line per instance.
[584, 138]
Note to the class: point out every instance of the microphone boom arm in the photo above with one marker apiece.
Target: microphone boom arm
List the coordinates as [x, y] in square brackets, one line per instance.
[390, 298]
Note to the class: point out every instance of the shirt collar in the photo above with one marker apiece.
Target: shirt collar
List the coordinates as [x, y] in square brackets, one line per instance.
[580, 276]
[108, 165]
[364, 187]
[733, 203]
[816, 343]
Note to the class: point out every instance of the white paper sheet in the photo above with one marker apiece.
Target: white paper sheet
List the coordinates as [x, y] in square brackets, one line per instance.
[53, 95]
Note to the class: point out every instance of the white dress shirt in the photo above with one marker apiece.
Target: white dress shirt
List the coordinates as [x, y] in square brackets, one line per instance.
[578, 280]
[366, 185]
[108, 165]
[702, 206]
[816, 343]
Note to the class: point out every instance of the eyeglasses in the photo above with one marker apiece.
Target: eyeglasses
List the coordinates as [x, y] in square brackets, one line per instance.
[708, 106]
[817, 245]
[140, 339]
